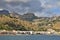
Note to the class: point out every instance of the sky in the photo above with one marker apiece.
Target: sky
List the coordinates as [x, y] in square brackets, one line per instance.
[38, 7]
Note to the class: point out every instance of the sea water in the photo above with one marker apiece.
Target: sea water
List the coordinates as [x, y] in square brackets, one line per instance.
[29, 37]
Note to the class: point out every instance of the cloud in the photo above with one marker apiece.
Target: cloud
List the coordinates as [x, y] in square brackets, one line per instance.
[51, 7]
[30, 6]
[16, 0]
[50, 3]
[39, 7]
[58, 3]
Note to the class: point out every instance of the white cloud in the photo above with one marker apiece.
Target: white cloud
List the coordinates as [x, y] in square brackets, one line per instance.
[50, 3]
[40, 14]
[58, 3]
[43, 2]
[1, 9]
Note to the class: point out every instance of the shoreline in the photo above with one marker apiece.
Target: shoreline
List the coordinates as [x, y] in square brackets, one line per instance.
[28, 33]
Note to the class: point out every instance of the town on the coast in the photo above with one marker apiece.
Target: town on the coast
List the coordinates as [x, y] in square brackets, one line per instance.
[13, 32]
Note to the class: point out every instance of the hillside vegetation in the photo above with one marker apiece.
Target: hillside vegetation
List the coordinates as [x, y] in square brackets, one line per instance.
[13, 23]
[9, 23]
[27, 22]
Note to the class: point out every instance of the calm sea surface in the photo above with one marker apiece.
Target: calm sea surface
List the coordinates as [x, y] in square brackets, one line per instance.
[30, 37]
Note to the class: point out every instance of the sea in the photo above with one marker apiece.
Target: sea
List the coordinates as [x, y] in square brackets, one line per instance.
[29, 37]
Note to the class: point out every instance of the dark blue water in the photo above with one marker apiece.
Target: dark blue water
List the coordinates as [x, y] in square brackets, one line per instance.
[31, 37]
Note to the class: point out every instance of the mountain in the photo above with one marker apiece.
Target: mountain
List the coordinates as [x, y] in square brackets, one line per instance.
[15, 15]
[29, 16]
[22, 22]
[4, 12]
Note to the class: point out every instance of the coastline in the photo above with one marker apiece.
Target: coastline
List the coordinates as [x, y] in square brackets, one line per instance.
[4, 32]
